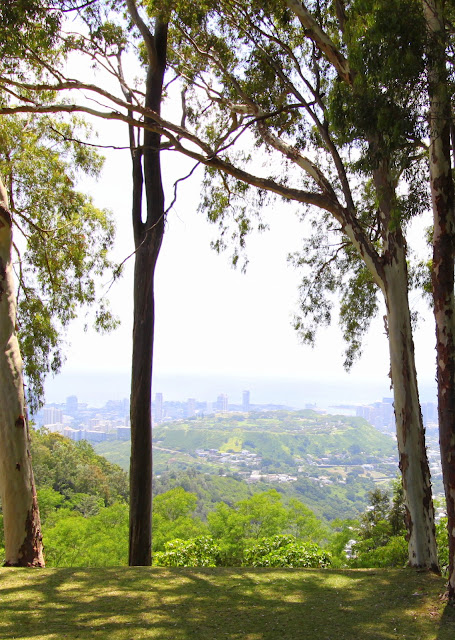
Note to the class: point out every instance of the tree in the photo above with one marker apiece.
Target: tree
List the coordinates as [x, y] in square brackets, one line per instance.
[23, 540]
[148, 236]
[22, 529]
[443, 281]
[43, 204]
[379, 537]
[173, 517]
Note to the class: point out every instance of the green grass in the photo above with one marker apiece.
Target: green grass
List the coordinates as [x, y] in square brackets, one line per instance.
[212, 604]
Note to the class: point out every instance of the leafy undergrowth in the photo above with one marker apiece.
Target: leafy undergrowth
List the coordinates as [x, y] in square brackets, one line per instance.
[212, 604]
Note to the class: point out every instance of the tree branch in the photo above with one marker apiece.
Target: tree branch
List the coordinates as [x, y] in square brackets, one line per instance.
[145, 32]
[321, 39]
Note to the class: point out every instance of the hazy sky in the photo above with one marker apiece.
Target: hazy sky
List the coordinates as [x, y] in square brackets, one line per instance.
[213, 321]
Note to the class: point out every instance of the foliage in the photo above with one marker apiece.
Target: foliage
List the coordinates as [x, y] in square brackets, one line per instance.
[285, 551]
[381, 532]
[74, 471]
[173, 517]
[200, 552]
[64, 239]
[394, 553]
[261, 516]
[27, 27]
[100, 540]
[443, 545]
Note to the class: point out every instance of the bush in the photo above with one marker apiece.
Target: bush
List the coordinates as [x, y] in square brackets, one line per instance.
[443, 545]
[199, 552]
[392, 554]
[286, 551]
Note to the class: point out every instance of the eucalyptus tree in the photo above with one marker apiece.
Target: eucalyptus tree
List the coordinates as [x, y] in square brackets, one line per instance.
[63, 244]
[441, 129]
[23, 542]
[49, 273]
[338, 132]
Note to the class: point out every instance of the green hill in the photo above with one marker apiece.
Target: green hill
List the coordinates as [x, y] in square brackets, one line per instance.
[328, 462]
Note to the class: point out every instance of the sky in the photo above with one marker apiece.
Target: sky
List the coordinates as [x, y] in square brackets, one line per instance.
[219, 330]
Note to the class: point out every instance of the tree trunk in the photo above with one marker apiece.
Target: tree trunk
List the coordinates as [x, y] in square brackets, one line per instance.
[23, 542]
[409, 426]
[413, 459]
[148, 236]
[442, 195]
[140, 542]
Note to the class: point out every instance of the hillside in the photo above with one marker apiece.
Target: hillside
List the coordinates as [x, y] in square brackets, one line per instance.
[328, 462]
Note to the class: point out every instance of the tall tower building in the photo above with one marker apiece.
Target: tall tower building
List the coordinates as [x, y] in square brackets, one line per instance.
[222, 403]
[71, 405]
[246, 401]
[158, 407]
[191, 407]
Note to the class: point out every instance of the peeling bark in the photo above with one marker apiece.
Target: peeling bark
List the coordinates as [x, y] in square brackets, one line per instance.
[443, 202]
[413, 460]
[23, 543]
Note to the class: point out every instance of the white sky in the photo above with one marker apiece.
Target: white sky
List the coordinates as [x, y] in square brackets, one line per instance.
[212, 320]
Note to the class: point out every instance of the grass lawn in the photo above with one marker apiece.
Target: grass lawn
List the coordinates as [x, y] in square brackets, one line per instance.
[211, 604]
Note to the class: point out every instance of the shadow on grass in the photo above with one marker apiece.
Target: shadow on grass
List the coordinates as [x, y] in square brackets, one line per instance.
[207, 604]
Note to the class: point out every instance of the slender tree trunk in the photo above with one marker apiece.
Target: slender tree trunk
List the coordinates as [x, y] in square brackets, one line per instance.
[23, 543]
[442, 194]
[141, 405]
[148, 235]
[413, 460]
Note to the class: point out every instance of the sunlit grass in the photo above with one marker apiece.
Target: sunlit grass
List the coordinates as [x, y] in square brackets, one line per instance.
[207, 604]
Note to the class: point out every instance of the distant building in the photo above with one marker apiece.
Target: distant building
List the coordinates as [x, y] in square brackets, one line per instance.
[51, 416]
[58, 427]
[246, 401]
[222, 403]
[380, 414]
[72, 405]
[429, 412]
[158, 407]
[191, 408]
[123, 433]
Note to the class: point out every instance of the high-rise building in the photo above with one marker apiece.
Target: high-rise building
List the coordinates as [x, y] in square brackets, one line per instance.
[222, 403]
[191, 408]
[71, 405]
[158, 407]
[52, 415]
[246, 401]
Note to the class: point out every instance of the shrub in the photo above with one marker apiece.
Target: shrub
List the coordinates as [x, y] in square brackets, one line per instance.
[443, 545]
[392, 554]
[199, 552]
[286, 551]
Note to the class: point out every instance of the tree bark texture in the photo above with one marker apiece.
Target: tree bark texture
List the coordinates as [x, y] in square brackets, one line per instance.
[410, 432]
[442, 195]
[22, 528]
[148, 235]
[413, 461]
